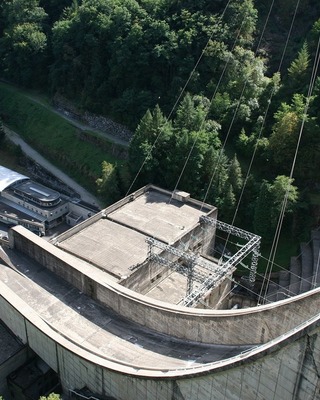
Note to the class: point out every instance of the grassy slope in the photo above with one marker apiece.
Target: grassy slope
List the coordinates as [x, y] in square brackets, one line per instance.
[53, 136]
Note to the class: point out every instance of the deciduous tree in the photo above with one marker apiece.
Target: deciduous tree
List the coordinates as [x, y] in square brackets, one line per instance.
[107, 184]
[24, 44]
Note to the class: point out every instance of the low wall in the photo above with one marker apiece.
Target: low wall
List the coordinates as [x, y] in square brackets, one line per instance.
[283, 370]
[244, 326]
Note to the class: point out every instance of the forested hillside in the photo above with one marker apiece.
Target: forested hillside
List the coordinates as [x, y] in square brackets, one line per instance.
[223, 96]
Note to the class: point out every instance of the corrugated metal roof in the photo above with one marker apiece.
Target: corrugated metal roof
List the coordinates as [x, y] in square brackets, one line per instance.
[8, 177]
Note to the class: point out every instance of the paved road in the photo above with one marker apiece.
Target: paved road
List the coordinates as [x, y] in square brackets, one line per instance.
[34, 155]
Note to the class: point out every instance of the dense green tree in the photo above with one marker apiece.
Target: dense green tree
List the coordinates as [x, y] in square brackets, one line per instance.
[262, 223]
[192, 116]
[227, 208]
[285, 196]
[274, 199]
[297, 72]
[290, 136]
[242, 17]
[107, 184]
[24, 43]
[215, 175]
[244, 91]
[189, 116]
[52, 396]
[150, 147]
[284, 138]
[235, 175]
[299, 66]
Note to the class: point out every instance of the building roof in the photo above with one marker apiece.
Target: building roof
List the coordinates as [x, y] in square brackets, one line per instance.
[37, 191]
[157, 214]
[109, 246]
[8, 177]
[116, 242]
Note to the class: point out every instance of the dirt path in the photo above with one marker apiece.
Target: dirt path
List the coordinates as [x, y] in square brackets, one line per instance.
[38, 158]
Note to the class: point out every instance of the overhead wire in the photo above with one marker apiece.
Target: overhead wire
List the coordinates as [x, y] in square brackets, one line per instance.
[234, 114]
[236, 110]
[285, 199]
[312, 81]
[176, 102]
[265, 114]
[207, 112]
[231, 124]
[269, 265]
[238, 103]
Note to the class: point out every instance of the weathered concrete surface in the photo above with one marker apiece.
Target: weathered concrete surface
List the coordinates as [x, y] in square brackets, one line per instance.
[98, 330]
[89, 345]
[246, 326]
[285, 369]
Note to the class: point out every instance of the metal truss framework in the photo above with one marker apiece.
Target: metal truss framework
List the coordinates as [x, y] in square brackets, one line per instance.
[216, 273]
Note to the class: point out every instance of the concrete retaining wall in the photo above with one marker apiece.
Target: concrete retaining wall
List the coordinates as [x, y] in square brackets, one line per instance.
[245, 326]
[287, 370]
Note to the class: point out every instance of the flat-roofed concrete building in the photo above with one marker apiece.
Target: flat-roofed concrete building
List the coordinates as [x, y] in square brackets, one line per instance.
[153, 242]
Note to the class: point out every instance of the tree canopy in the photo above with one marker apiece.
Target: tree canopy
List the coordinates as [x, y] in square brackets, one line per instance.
[194, 81]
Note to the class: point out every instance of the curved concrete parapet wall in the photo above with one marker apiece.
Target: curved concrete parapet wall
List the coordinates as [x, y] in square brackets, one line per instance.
[245, 326]
[279, 369]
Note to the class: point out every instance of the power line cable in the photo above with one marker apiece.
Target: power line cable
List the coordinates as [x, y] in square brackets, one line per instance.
[237, 107]
[207, 112]
[231, 124]
[234, 114]
[266, 111]
[176, 103]
[304, 118]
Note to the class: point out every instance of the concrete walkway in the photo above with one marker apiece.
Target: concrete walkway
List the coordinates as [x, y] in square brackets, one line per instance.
[99, 330]
[34, 155]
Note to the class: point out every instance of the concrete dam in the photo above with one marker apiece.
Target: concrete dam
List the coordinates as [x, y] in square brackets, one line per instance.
[109, 331]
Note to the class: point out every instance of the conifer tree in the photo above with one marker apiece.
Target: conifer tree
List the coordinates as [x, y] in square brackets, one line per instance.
[262, 214]
[235, 175]
[108, 186]
[298, 69]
